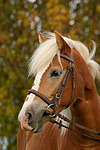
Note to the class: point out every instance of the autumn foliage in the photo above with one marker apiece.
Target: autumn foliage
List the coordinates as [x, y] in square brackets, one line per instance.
[20, 23]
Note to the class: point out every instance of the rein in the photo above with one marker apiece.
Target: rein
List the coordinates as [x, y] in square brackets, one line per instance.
[77, 125]
[73, 123]
[57, 98]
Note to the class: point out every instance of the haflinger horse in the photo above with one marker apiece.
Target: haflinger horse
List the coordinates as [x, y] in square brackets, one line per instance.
[62, 109]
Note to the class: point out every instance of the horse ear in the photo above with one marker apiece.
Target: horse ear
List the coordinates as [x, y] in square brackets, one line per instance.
[62, 44]
[42, 38]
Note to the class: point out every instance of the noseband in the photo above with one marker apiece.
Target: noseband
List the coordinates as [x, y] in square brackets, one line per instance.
[57, 98]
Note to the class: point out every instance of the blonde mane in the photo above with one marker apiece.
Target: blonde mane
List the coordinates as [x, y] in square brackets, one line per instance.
[47, 50]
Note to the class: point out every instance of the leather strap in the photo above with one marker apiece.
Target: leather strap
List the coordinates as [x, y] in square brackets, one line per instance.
[40, 95]
[62, 86]
[69, 128]
[78, 125]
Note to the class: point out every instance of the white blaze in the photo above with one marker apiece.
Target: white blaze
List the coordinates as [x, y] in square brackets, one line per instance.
[31, 96]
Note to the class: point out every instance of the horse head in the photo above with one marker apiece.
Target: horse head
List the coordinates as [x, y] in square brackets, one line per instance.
[59, 80]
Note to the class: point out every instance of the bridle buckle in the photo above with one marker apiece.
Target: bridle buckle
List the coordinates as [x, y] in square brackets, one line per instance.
[57, 96]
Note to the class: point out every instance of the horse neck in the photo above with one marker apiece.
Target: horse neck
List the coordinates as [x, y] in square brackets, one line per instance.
[86, 109]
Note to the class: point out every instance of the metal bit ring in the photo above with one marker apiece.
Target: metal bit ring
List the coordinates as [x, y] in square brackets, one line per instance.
[54, 115]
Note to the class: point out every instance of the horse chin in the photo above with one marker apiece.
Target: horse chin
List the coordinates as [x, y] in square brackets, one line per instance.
[37, 129]
[39, 126]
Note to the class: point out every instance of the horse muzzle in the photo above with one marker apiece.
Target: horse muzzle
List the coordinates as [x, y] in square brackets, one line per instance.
[33, 119]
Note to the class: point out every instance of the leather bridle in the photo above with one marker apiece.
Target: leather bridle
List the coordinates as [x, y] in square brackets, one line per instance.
[57, 98]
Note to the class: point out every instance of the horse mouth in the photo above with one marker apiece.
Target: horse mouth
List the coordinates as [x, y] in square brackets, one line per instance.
[39, 126]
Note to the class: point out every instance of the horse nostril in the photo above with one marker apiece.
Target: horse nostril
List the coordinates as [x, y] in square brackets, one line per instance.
[46, 113]
[30, 116]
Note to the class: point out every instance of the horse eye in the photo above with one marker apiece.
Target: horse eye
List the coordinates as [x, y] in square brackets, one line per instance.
[55, 73]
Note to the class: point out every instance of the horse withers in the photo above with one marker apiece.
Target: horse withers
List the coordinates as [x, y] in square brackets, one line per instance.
[61, 110]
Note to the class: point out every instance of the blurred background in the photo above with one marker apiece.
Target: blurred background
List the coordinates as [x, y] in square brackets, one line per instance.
[20, 23]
